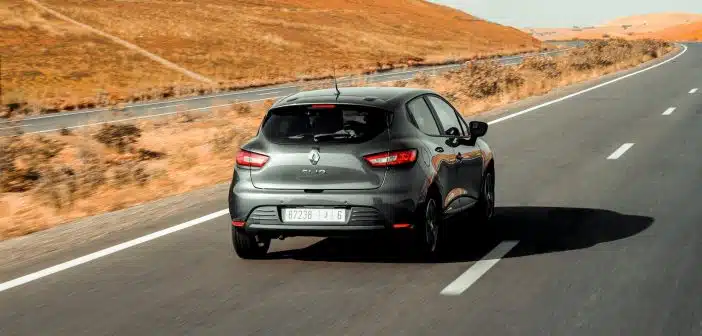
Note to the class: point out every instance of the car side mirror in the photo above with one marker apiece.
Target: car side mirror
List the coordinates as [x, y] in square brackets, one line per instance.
[477, 128]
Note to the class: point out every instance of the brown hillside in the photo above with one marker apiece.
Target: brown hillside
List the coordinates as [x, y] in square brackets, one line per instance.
[237, 42]
[656, 21]
[631, 27]
[684, 32]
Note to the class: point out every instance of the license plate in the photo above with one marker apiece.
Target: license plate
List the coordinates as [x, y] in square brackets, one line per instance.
[314, 215]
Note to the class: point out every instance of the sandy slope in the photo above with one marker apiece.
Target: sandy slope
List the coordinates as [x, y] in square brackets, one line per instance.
[636, 26]
[237, 42]
[684, 32]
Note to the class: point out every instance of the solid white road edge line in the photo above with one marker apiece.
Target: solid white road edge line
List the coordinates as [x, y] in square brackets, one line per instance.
[110, 250]
[470, 276]
[75, 262]
[233, 93]
[588, 89]
[145, 116]
[693, 90]
[11, 127]
[268, 93]
[669, 111]
[620, 151]
[167, 106]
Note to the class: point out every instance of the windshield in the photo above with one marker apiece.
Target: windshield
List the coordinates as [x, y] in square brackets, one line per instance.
[331, 123]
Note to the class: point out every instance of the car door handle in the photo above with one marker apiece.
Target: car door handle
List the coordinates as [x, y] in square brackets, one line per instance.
[439, 149]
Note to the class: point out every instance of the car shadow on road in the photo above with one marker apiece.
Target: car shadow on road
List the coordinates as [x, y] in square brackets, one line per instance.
[538, 229]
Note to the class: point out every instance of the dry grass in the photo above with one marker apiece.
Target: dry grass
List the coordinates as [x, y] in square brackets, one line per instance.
[50, 65]
[483, 86]
[47, 180]
[239, 43]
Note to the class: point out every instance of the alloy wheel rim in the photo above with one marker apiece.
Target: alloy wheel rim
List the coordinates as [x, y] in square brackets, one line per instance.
[431, 229]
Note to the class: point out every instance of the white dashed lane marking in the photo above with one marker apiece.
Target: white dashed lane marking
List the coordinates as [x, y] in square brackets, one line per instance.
[620, 151]
[470, 276]
[669, 111]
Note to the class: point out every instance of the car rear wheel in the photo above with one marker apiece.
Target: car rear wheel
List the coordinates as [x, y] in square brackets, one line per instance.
[249, 246]
[429, 235]
[485, 208]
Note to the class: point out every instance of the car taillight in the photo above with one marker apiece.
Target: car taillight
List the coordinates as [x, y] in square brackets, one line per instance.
[250, 159]
[322, 106]
[394, 158]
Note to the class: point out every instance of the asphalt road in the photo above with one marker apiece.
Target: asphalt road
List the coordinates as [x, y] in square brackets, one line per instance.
[203, 104]
[608, 242]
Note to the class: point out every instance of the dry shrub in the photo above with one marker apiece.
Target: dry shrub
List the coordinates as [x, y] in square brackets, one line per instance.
[481, 85]
[57, 187]
[549, 66]
[32, 164]
[184, 118]
[606, 53]
[146, 154]
[241, 109]
[652, 48]
[65, 132]
[90, 178]
[421, 79]
[60, 186]
[128, 173]
[120, 137]
[400, 83]
[267, 104]
[225, 141]
[22, 159]
[483, 80]
[183, 159]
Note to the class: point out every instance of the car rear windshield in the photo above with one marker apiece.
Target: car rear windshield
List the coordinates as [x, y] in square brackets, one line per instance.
[324, 123]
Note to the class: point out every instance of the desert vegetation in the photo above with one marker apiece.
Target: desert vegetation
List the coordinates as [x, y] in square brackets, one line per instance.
[485, 85]
[50, 179]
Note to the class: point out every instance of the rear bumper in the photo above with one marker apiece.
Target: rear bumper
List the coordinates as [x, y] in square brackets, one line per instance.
[368, 211]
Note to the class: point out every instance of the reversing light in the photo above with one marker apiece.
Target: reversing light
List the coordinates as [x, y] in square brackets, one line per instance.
[250, 159]
[393, 158]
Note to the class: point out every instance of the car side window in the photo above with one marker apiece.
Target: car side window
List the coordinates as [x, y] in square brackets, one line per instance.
[447, 115]
[420, 112]
[466, 129]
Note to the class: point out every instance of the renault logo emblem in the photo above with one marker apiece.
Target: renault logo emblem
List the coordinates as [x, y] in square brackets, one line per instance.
[313, 156]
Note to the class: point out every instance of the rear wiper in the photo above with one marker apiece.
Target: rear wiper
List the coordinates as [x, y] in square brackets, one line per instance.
[332, 136]
[300, 136]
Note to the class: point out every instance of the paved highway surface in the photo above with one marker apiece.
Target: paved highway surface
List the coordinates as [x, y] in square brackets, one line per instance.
[70, 120]
[597, 233]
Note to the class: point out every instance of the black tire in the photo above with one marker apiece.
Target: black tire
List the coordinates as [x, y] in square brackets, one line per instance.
[249, 246]
[485, 208]
[429, 235]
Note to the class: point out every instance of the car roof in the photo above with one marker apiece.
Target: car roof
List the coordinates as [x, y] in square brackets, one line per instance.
[381, 97]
